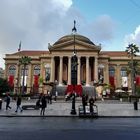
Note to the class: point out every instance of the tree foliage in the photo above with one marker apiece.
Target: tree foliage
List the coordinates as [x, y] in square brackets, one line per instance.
[4, 86]
[131, 50]
[24, 60]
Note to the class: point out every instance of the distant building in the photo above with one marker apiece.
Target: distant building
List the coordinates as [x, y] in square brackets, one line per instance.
[93, 65]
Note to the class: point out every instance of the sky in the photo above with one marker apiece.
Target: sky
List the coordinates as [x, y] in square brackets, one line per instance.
[112, 23]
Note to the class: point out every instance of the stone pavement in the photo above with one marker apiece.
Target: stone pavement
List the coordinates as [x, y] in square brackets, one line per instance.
[61, 108]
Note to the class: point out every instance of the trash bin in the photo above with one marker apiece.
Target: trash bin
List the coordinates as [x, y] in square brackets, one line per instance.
[135, 105]
[0, 103]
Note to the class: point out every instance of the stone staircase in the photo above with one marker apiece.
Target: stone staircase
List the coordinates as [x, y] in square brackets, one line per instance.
[90, 90]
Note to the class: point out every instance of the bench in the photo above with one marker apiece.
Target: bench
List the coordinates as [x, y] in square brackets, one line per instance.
[26, 107]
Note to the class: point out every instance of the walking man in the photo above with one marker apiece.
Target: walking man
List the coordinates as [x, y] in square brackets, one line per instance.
[84, 103]
[56, 94]
[43, 105]
[18, 104]
[7, 100]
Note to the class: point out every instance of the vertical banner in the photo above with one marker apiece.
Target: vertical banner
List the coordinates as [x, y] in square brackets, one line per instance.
[124, 82]
[11, 80]
[111, 81]
[138, 80]
[36, 80]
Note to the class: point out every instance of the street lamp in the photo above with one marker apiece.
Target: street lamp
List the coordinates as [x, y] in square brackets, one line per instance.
[74, 72]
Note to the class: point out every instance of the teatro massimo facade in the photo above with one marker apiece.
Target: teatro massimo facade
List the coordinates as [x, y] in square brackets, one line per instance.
[92, 65]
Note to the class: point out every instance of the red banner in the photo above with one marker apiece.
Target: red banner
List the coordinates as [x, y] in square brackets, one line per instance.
[11, 80]
[36, 80]
[78, 89]
[111, 80]
[138, 80]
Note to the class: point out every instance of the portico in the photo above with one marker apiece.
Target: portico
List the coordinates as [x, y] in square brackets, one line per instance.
[86, 72]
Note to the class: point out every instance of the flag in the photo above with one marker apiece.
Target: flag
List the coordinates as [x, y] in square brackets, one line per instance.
[19, 46]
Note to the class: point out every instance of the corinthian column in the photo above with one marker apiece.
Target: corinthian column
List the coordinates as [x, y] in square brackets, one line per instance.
[60, 70]
[52, 69]
[87, 71]
[79, 74]
[118, 77]
[29, 81]
[69, 70]
[96, 69]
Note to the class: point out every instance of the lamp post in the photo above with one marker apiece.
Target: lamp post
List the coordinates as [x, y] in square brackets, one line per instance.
[74, 74]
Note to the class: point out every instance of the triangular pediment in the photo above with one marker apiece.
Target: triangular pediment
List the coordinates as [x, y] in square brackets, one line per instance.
[79, 45]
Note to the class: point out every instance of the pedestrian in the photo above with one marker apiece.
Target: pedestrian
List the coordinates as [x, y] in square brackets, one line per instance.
[56, 94]
[18, 104]
[84, 103]
[49, 97]
[7, 100]
[43, 105]
[91, 103]
[86, 96]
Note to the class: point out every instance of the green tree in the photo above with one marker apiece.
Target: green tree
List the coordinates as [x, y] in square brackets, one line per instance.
[4, 86]
[24, 60]
[131, 50]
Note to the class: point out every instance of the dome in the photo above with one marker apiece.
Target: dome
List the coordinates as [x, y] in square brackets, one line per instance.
[71, 37]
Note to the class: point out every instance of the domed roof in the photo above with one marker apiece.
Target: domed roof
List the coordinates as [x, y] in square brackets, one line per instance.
[71, 37]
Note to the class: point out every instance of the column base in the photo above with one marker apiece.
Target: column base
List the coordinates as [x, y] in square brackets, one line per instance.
[60, 84]
[88, 85]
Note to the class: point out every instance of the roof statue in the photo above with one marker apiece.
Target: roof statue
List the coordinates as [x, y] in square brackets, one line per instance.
[74, 30]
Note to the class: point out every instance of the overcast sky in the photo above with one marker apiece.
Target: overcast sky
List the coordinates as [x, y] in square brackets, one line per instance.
[38, 22]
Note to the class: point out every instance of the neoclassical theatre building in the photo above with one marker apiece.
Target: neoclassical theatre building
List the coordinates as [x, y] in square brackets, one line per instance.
[92, 65]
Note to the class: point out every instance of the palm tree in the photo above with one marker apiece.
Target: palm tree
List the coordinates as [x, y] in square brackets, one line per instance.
[24, 60]
[132, 49]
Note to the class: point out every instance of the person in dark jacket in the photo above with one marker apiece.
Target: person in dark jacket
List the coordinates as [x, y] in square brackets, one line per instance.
[91, 103]
[7, 100]
[43, 105]
[84, 103]
[18, 104]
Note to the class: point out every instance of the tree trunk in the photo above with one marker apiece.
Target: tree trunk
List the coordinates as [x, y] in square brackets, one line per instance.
[23, 79]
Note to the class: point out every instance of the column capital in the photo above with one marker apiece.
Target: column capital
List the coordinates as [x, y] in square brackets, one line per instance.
[78, 57]
[87, 57]
[60, 57]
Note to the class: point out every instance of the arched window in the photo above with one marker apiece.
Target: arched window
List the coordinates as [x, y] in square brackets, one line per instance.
[123, 72]
[36, 70]
[12, 70]
[111, 71]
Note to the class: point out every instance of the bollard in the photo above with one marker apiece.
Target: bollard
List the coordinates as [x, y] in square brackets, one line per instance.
[0, 104]
[135, 105]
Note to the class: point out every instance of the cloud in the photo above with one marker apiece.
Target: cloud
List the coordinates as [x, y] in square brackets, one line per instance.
[133, 37]
[37, 23]
[103, 28]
